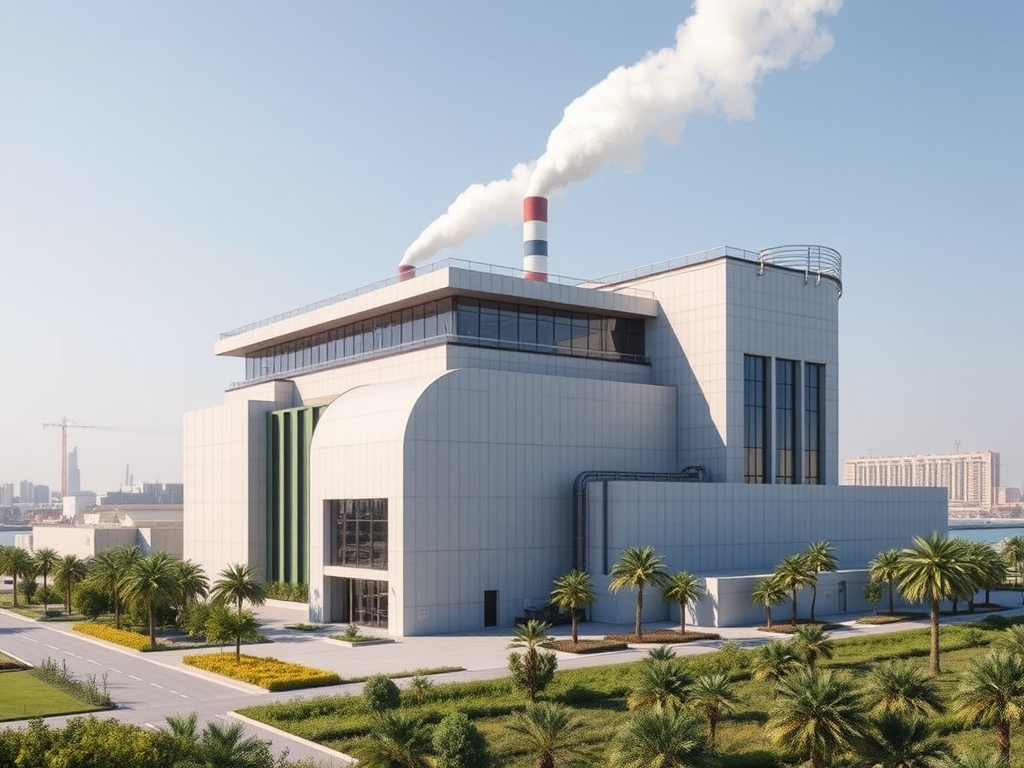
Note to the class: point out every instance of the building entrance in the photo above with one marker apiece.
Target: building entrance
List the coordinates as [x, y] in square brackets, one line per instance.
[367, 603]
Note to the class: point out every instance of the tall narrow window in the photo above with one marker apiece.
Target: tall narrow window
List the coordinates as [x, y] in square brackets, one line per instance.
[755, 419]
[814, 423]
[785, 422]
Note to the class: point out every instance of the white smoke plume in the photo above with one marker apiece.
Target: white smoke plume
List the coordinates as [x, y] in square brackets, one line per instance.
[722, 51]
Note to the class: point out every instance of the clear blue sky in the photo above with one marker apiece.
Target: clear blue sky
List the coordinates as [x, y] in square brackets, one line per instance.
[169, 171]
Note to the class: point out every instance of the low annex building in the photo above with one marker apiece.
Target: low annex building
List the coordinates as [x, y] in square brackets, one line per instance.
[431, 452]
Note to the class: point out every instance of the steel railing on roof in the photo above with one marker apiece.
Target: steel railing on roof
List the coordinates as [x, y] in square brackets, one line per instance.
[424, 269]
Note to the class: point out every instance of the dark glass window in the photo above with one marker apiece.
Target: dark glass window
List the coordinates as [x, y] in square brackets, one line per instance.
[527, 328]
[545, 328]
[563, 331]
[580, 331]
[814, 423]
[785, 422]
[467, 318]
[755, 423]
[360, 532]
[430, 320]
[508, 331]
[489, 320]
[478, 322]
[417, 323]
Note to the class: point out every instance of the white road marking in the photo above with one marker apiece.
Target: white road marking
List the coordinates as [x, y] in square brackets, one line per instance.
[52, 646]
[183, 695]
[133, 677]
[94, 662]
[31, 640]
[116, 670]
[157, 686]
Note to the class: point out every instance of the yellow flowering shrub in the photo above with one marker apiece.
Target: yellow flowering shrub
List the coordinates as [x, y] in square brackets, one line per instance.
[264, 671]
[112, 635]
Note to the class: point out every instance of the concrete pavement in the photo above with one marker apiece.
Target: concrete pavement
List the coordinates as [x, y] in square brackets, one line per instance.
[145, 692]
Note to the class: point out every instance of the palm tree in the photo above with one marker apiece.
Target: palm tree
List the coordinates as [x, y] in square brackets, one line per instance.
[44, 560]
[1011, 640]
[574, 590]
[884, 567]
[636, 567]
[816, 714]
[661, 653]
[772, 661]
[991, 693]
[820, 557]
[552, 735]
[659, 683]
[192, 583]
[151, 582]
[16, 562]
[899, 741]
[536, 668]
[900, 687]
[793, 573]
[238, 584]
[107, 569]
[68, 571]
[1013, 553]
[970, 761]
[667, 738]
[684, 589]
[715, 695]
[811, 642]
[397, 740]
[768, 591]
[932, 570]
[225, 746]
[990, 566]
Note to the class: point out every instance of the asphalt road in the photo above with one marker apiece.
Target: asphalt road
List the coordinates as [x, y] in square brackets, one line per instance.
[145, 688]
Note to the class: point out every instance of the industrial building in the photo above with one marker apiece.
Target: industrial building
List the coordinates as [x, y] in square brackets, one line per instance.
[432, 451]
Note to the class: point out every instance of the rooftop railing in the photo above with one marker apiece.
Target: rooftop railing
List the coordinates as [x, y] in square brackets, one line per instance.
[425, 269]
[817, 261]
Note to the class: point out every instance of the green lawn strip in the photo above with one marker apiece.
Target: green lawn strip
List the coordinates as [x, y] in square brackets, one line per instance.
[598, 694]
[407, 673]
[25, 697]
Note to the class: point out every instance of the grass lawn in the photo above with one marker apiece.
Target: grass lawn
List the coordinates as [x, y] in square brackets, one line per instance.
[598, 694]
[24, 696]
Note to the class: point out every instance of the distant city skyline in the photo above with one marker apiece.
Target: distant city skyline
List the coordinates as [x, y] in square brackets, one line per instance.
[172, 171]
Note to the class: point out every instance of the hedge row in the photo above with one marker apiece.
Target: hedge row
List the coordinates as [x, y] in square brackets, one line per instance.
[112, 635]
[266, 672]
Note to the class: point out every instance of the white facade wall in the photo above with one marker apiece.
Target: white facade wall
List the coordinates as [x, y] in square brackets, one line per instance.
[736, 529]
[714, 313]
[225, 479]
[477, 467]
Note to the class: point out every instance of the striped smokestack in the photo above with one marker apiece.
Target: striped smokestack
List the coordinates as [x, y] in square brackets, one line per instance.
[405, 271]
[535, 238]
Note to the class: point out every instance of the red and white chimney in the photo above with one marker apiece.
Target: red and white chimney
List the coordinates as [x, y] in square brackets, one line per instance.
[406, 271]
[535, 238]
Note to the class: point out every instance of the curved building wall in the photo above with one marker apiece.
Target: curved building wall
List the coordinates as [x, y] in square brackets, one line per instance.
[477, 467]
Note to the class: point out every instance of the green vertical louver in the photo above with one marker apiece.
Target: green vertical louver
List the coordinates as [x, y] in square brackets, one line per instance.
[289, 435]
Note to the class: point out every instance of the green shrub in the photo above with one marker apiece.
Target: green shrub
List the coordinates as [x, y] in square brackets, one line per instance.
[381, 693]
[89, 601]
[458, 743]
[28, 589]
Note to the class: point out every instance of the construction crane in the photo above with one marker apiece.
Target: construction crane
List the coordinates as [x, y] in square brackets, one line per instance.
[65, 424]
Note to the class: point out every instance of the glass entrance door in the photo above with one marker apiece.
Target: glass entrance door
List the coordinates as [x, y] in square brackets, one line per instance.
[368, 603]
